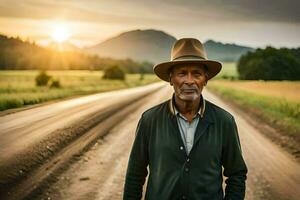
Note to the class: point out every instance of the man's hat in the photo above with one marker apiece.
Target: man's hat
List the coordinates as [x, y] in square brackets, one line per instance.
[187, 51]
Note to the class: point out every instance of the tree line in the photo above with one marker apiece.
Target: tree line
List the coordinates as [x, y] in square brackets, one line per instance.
[16, 54]
[270, 64]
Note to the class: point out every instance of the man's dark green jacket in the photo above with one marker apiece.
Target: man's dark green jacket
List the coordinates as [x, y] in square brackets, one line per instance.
[175, 175]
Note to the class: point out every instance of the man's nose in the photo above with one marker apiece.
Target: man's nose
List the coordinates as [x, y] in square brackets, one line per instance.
[189, 78]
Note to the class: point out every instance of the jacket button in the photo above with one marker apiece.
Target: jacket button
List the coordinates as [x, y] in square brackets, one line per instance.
[188, 160]
[181, 147]
[183, 197]
[186, 169]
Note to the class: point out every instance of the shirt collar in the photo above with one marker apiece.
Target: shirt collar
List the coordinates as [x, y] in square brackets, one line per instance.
[174, 111]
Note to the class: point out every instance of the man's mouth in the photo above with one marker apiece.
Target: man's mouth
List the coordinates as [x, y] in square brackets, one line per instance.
[189, 90]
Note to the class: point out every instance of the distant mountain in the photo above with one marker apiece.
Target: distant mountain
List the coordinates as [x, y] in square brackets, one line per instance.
[63, 46]
[151, 45]
[155, 46]
[225, 52]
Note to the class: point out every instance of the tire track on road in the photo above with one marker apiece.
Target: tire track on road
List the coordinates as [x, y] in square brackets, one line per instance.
[99, 173]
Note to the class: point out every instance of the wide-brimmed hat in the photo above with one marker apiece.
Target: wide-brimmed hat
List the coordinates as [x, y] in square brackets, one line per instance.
[187, 50]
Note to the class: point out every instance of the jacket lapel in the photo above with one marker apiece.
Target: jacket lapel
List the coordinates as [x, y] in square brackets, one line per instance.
[177, 131]
[175, 124]
[203, 124]
[200, 130]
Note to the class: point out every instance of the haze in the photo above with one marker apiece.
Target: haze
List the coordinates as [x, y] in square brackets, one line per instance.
[253, 23]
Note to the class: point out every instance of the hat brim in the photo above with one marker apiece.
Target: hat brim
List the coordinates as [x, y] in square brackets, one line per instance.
[162, 69]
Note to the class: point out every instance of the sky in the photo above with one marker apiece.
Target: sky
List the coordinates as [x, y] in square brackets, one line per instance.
[254, 23]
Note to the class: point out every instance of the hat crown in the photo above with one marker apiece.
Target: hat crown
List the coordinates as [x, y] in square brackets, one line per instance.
[188, 47]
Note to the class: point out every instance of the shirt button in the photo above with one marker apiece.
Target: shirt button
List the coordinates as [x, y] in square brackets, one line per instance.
[186, 169]
[181, 147]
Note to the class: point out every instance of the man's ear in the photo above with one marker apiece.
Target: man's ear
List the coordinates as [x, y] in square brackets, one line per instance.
[206, 79]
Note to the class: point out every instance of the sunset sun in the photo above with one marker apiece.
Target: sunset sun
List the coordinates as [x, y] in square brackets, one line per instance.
[60, 33]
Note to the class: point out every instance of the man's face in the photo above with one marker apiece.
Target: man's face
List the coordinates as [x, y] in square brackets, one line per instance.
[188, 81]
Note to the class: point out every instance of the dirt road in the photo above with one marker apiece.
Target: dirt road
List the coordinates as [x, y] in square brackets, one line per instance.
[272, 172]
[34, 142]
[21, 129]
[99, 172]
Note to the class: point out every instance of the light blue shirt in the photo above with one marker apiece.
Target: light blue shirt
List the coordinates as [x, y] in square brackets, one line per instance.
[187, 129]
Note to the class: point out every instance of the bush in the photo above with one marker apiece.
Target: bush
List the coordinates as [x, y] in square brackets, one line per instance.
[55, 84]
[42, 79]
[114, 72]
[270, 64]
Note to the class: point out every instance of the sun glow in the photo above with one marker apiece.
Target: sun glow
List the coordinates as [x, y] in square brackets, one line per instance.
[60, 33]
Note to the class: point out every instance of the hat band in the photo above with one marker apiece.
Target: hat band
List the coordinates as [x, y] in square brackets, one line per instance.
[188, 58]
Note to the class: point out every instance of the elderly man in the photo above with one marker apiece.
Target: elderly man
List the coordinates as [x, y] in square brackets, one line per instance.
[185, 141]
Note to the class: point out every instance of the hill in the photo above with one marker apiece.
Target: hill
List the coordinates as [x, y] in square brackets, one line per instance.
[140, 45]
[155, 46]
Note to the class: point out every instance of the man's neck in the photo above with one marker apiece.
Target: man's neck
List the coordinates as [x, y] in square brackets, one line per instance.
[187, 108]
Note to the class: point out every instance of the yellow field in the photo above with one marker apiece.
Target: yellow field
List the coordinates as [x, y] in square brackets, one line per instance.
[275, 102]
[289, 90]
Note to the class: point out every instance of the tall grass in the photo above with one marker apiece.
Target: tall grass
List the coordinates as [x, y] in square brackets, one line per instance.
[279, 111]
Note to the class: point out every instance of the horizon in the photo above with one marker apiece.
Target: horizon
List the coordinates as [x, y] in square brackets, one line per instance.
[253, 24]
[113, 36]
[50, 42]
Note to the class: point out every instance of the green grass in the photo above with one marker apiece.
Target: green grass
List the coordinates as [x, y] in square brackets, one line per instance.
[229, 71]
[279, 112]
[17, 88]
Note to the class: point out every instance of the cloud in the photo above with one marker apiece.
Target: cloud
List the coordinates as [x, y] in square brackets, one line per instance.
[265, 10]
[273, 21]
[93, 11]
[155, 11]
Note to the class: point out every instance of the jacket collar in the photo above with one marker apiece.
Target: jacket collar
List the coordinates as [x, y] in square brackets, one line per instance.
[203, 110]
[174, 111]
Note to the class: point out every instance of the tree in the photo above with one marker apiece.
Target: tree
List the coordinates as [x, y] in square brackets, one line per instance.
[114, 72]
[270, 64]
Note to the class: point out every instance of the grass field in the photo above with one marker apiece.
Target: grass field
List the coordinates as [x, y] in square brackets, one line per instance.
[276, 102]
[229, 71]
[17, 88]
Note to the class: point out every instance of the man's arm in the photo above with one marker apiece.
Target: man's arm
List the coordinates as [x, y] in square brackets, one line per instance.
[234, 165]
[137, 165]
